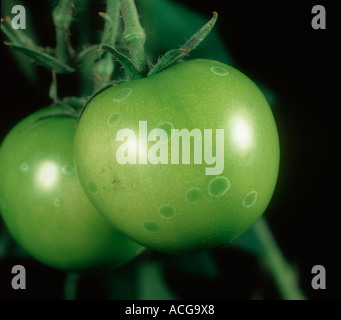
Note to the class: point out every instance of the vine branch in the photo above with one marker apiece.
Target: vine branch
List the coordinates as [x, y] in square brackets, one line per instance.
[62, 17]
[133, 36]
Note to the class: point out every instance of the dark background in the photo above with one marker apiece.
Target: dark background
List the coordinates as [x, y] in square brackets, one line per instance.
[276, 45]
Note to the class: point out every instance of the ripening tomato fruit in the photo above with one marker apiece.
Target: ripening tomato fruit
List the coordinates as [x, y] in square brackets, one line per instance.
[42, 202]
[181, 161]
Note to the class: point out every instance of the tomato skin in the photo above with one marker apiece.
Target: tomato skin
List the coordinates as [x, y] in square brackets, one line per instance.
[43, 204]
[177, 208]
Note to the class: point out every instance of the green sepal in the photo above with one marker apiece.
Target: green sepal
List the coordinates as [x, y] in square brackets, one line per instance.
[124, 61]
[170, 58]
[174, 56]
[43, 59]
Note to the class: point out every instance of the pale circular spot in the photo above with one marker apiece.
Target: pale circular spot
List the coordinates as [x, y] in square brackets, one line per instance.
[166, 126]
[250, 199]
[92, 187]
[114, 119]
[219, 71]
[24, 167]
[122, 94]
[57, 202]
[194, 195]
[150, 226]
[68, 170]
[167, 211]
[218, 186]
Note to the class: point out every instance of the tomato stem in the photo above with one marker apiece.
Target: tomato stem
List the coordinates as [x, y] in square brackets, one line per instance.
[282, 272]
[53, 88]
[104, 67]
[62, 18]
[70, 286]
[112, 19]
[133, 36]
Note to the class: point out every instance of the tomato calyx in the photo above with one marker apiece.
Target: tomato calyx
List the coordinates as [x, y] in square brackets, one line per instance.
[170, 58]
[174, 56]
[93, 61]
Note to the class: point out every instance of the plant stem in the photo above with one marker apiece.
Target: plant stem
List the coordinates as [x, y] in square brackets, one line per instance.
[111, 24]
[62, 18]
[104, 68]
[282, 273]
[53, 88]
[70, 286]
[133, 36]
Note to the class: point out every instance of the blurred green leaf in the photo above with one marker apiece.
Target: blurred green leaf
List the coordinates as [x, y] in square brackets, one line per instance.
[200, 264]
[151, 283]
[23, 62]
[43, 59]
[260, 242]
[248, 241]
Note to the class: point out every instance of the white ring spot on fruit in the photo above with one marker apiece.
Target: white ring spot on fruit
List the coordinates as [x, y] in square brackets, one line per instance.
[57, 202]
[166, 126]
[219, 71]
[24, 167]
[92, 187]
[250, 199]
[167, 211]
[67, 170]
[114, 119]
[194, 195]
[150, 226]
[218, 186]
[122, 94]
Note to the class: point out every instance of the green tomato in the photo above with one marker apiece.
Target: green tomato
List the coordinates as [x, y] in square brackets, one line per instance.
[43, 204]
[182, 161]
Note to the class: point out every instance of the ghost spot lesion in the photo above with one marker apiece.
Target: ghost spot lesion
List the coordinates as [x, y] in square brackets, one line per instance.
[150, 226]
[57, 202]
[122, 94]
[194, 194]
[167, 127]
[92, 186]
[250, 199]
[219, 71]
[24, 167]
[167, 211]
[218, 186]
[113, 119]
[68, 170]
